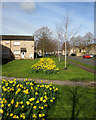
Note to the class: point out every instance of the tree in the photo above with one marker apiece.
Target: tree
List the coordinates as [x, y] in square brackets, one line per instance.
[67, 46]
[44, 37]
[64, 32]
[89, 38]
[50, 45]
[82, 42]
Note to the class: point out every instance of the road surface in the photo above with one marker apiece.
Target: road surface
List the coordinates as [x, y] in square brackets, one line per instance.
[82, 60]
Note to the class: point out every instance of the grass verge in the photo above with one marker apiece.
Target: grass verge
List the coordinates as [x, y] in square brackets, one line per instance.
[21, 68]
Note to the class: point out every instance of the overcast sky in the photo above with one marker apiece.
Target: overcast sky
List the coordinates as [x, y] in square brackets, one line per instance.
[24, 18]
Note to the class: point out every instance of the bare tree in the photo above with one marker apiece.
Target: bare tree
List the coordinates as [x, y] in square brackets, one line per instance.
[82, 42]
[66, 33]
[67, 46]
[89, 38]
[45, 41]
[43, 35]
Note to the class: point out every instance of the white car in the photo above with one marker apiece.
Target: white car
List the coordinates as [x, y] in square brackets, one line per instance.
[91, 56]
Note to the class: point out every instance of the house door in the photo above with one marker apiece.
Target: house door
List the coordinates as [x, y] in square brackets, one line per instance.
[23, 54]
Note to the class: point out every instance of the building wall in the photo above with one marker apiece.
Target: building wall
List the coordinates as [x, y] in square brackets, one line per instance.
[29, 45]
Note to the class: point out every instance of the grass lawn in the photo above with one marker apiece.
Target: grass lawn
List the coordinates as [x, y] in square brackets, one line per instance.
[21, 68]
[63, 106]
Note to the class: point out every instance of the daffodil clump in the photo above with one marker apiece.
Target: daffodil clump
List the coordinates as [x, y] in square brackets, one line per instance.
[26, 100]
[47, 65]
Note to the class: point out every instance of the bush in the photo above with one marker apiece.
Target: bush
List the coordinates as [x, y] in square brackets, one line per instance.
[46, 65]
[26, 100]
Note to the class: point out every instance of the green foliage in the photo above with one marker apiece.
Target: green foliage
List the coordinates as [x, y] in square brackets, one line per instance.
[26, 100]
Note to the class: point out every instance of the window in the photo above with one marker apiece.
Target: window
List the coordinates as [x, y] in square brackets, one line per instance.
[17, 52]
[16, 43]
[5, 52]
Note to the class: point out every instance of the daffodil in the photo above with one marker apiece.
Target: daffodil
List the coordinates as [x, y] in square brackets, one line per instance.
[11, 114]
[34, 107]
[14, 116]
[2, 105]
[51, 100]
[31, 99]
[27, 102]
[12, 101]
[40, 115]
[1, 111]
[9, 105]
[37, 101]
[34, 116]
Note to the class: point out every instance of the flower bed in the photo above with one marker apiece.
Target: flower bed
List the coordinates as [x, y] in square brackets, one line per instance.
[46, 65]
[26, 100]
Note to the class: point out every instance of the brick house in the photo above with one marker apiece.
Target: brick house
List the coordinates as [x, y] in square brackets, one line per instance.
[17, 47]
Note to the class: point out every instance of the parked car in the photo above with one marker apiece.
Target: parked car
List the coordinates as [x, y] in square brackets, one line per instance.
[73, 54]
[40, 55]
[46, 54]
[58, 53]
[86, 56]
[91, 55]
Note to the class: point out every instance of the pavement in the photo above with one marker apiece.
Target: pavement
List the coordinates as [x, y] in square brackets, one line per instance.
[83, 67]
[57, 82]
[82, 60]
[85, 61]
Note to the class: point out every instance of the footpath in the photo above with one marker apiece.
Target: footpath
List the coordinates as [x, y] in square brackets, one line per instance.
[57, 82]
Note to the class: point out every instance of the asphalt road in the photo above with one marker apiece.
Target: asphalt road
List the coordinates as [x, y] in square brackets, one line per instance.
[82, 60]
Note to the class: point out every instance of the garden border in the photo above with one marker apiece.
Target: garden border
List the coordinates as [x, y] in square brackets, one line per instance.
[57, 82]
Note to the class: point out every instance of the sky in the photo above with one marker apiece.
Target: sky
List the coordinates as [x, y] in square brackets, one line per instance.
[24, 18]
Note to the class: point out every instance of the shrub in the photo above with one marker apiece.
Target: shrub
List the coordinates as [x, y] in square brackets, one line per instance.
[46, 65]
[26, 100]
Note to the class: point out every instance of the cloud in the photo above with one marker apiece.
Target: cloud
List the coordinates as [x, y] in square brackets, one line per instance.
[54, 8]
[28, 6]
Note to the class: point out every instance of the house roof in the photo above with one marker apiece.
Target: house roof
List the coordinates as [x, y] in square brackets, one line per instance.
[17, 37]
